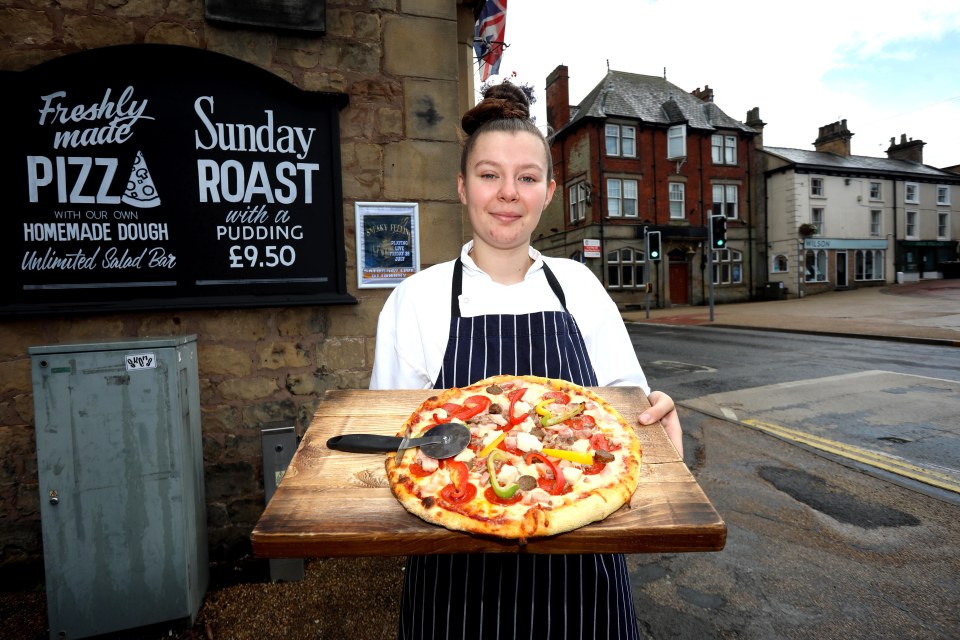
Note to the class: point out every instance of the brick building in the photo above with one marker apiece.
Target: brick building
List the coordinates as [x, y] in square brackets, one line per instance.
[639, 154]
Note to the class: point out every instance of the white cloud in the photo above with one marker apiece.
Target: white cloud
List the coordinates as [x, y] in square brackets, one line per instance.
[755, 56]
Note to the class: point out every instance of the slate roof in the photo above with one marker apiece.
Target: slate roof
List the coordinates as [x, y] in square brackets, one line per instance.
[826, 161]
[652, 100]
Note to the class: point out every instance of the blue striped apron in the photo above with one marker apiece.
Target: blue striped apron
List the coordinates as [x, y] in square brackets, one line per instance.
[509, 596]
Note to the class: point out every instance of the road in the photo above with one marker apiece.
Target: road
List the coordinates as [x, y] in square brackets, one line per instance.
[816, 547]
[890, 406]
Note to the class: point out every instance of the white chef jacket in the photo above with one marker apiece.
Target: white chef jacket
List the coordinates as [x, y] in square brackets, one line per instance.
[414, 325]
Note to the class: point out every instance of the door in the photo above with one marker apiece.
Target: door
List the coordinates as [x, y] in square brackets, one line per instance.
[679, 283]
[841, 268]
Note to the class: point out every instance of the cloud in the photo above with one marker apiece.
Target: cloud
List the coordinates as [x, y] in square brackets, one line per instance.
[789, 62]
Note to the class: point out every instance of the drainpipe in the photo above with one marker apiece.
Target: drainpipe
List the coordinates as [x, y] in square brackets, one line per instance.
[751, 249]
[896, 245]
[601, 200]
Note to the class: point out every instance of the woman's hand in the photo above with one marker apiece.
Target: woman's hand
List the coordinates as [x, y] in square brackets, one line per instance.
[663, 409]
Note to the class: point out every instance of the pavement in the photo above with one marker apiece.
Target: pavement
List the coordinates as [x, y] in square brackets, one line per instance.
[788, 570]
[927, 311]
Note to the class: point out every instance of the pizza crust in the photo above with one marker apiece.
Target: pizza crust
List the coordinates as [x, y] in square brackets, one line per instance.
[590, 499]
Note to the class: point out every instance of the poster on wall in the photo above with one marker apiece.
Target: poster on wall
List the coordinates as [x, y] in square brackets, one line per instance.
[157, 176]
[388, 243]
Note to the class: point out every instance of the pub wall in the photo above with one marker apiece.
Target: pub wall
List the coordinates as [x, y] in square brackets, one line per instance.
[405, 67]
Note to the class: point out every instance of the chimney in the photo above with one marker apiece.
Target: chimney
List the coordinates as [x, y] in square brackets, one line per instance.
[558, 98]
[706, 95]
[834, 138]
[754, 122]
[911, 150]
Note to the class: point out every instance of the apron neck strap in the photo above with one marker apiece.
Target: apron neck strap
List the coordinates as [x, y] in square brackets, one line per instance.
[457, 287]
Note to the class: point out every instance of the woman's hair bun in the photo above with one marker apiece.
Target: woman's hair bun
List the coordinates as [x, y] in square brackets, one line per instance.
[500, 102]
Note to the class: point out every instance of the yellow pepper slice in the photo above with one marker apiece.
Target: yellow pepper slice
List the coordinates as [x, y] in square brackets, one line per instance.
[579, 457]
[493, 445]
[542, 406]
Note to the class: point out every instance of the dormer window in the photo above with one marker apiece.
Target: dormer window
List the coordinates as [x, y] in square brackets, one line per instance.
[677, 142]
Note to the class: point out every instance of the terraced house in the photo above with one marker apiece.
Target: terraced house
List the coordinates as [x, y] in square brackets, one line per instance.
[836, 220]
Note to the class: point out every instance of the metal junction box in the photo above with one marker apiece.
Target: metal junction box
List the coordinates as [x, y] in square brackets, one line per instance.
[120, 465]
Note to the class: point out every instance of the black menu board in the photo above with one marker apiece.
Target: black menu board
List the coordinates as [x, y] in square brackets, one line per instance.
[157, 176]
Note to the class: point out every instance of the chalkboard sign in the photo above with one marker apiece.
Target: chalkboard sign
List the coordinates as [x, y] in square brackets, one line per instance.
[156, 176]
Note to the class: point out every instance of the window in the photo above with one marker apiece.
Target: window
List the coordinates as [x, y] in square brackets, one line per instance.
[876, 192]
[625, 269]
[578, 202]
[723, 149]
[727, 266]
[816, 218]
[869, 264]
[943, 226]
[815, 269]
[725, 200]
[911, 229]
[875, 218]
[781, 264]
[677, 142]
[911, 192]
[621, 198]
[943, 194]
[677, 197]
[816, 187]
[621, 140]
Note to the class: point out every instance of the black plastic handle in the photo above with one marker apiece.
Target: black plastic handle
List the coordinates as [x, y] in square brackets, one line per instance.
[364, 443]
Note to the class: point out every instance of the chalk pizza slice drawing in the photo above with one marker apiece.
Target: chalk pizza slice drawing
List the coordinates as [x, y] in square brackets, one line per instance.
[140, 191]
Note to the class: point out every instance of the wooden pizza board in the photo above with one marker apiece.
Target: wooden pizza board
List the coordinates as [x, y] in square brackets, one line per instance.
[332, 503]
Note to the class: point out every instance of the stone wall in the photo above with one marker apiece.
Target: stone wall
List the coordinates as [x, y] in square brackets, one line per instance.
[405, 65]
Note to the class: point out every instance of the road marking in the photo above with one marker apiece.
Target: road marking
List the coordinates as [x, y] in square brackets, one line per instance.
[876, 459]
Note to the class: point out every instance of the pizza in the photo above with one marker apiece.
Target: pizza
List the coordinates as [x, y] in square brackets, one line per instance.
[545, 457]
[140, 191]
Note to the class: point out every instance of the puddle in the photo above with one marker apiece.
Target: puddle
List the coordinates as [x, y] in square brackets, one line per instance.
[833, 501]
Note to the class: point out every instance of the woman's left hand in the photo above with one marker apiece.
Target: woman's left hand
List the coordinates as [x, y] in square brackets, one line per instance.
[663, 409]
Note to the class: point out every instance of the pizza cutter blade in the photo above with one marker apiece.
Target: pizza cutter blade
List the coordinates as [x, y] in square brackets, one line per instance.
[443, 441]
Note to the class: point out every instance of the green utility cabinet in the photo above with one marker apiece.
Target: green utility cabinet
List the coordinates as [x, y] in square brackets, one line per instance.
[120, 466]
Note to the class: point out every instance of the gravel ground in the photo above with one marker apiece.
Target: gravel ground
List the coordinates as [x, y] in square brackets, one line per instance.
[338, 598]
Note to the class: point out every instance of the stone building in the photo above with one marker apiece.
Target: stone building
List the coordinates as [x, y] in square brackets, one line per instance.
[406, 72]
[638, 155]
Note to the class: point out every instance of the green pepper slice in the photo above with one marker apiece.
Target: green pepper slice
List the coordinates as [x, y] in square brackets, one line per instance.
[504, 493]
[556, 418]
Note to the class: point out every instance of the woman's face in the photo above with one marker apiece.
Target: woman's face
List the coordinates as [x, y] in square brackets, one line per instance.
[505, 188]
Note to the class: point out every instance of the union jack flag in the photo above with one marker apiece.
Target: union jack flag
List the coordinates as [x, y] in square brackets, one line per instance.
[488, 37]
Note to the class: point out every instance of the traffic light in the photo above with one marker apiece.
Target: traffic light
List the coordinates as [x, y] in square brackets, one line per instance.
[719, 227]
[653, 245]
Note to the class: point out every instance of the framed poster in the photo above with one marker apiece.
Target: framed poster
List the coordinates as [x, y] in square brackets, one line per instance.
[388, 243]
[172, 177]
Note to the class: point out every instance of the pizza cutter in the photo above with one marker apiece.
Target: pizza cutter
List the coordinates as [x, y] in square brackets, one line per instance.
[442, 441]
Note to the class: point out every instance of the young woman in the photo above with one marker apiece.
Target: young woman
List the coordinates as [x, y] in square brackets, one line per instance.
[502, 308]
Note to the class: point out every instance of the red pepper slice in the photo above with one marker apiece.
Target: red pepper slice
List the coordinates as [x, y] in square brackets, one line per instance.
[460, 489]
[449, 493]
[451, 410]
[472, 406]
[514, 396]
[558, 480]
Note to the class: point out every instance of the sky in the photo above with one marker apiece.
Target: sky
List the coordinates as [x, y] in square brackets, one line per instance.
[889, 68]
